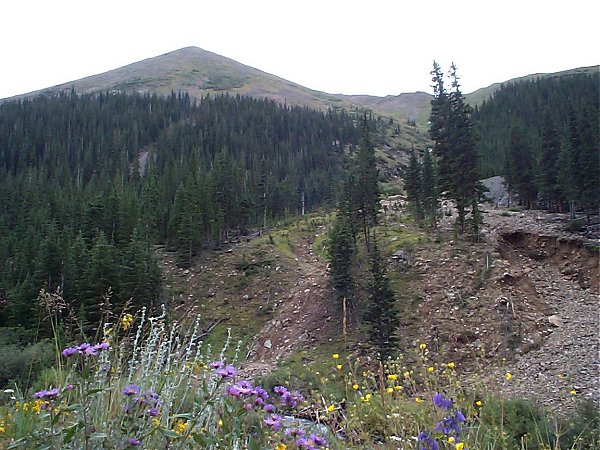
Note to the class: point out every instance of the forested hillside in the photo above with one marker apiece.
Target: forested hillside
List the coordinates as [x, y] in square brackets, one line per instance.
[542, 135]
[88, 183]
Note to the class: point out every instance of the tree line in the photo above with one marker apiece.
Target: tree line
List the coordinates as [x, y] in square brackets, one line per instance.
[89, 184]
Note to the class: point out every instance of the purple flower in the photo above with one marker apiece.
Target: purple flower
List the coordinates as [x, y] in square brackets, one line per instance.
[90, 351]
[280, 390]
[273, 421]
[269, 408]
[248, 407]
[69, 387]
[69, 351]
[318, 440]
[216, 364]
[134, 441]
[102, 346]
[152, 412]
[81, 348]
[132, 389]
[441, 402]
[427, 442]
[261, 393]
[295, 432]
[233, 390]
[226, 372]
[49, 394]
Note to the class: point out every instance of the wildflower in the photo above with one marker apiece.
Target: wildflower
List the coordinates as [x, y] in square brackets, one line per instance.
[69, 351]
[427, 442]
[390, 390]
[392, 377]
[126, 321]
[430, 369]
[508, 376]
[397, 388]
[102, 346]
[216, 364]
[573, 392]
[181, 425]
[338, 367]
[220, 423]
[134, 441]
[295, 432]
[153, 412]
[49, 394]
[331, 408]
[450, 365]
[155, 422]
[423, 346]
[335, 356]
[2, 427]
[132, 389]
[281, 446]
[459, 446]
[355, 387]
[479, 403]
[406, 374]
[227, 372]
[69, 387]
[418, 400]
[269, 408]
[441, 402]
[451, 440]
[273, 421]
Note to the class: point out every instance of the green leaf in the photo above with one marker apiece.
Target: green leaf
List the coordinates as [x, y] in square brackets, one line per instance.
[186, 416]
[73, 407]
[70, 433]
[98, 436]
[94, 391]
[171, 434]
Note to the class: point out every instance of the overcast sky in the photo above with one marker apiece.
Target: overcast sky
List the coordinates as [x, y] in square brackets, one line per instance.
[373, 47]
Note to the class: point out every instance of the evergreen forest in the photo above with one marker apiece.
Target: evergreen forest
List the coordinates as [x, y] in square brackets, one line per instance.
[543, 136]
[89, 184]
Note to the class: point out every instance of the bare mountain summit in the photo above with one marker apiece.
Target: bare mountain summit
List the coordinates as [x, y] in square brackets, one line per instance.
[197, 72]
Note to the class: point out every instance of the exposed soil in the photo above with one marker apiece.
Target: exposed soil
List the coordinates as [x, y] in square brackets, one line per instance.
[524, 300]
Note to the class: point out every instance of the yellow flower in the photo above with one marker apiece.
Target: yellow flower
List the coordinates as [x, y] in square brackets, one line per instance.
[451, 440]
[330, 408]
[180, 426]
[573, 392]
[390, 390]
[508, 376]
[335, 356]
[397, 388]
[406, 374]
[392, 377]
[220, 423]
[450, 365]
[281, 446]
[423, 346]
[430, 369]
[418, 400]
[338, 367]
[459, 446]
[479, 403]
[155, 422]
[355, 387]
[126, 321]
[2, 427]
[366, 398]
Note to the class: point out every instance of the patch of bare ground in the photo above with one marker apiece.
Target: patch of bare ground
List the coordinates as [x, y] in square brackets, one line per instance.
[303, 319]
[525, 300]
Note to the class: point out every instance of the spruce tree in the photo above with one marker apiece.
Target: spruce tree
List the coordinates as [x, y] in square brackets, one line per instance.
[413, 186]
[429, 190]
[366, 193]
[381, 313]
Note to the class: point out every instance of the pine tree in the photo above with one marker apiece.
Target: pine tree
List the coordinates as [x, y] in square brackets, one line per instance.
[520, 174]
[366, 194]
[413, 186]
[549, 167]
[381, 314]
[429, 190]
[342, 251]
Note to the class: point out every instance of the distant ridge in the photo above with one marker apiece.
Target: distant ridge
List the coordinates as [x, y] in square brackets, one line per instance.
[199, 72]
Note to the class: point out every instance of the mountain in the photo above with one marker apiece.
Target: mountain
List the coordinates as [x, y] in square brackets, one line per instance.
[197, 72]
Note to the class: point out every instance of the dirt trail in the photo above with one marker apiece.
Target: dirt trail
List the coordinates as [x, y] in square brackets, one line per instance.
[301, 320]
